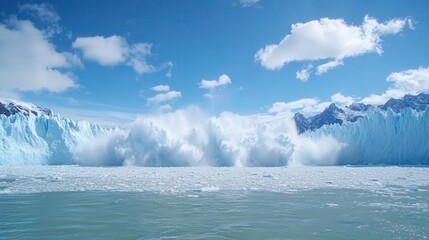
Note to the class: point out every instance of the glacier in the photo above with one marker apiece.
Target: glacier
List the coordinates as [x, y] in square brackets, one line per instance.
[386, 138]
[190, 137]
[44, 139]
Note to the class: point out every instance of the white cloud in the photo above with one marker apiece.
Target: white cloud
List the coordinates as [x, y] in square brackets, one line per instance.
[375, 99]
[29, 62]
[73, 59]
[165, 108]
[212, 84]
[164, 97]
[137, 58]
[328, 39]
[114, 50]
[105, 51]
[323, 68]
[169, 66]
[161, 88]
[46, 13]
[310, 105]
[412, 81]
[208, 95]
[141, 66]
[294, 105]
[411, 23]
[248, 3]
[342, 100]
[304, 74]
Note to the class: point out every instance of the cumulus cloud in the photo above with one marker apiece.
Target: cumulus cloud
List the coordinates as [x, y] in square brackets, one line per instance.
[114, 50]
[329, 39]
[304, 74]
[164, 97]
[29, 62]
[342, 100]
[161, 88]
[213, 84]
[412, 81]
[105, 51]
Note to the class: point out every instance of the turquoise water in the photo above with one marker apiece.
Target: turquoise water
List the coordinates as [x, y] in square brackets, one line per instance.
[315, 214]
[214, 203]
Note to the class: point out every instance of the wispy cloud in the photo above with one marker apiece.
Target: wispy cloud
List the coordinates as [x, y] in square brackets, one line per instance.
[44, 12]
[161, 88]
[105, 117]
[248, 3]
[294, 105]
[329, 39]
[164, 97]
[137, 55]
[304, 73]
[310, 105]
[323, 68]
[96, 112]
[165, 108]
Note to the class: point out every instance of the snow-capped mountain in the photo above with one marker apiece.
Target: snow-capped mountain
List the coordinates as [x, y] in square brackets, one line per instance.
[333, 114]
[11, 107]
[418, 102]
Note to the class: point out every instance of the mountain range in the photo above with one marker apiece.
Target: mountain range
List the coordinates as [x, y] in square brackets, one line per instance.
[336, 115]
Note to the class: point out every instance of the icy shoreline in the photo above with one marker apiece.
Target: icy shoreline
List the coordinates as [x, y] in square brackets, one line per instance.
[35, 179]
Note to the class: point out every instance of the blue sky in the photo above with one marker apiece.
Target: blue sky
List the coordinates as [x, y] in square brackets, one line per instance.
[110, 61]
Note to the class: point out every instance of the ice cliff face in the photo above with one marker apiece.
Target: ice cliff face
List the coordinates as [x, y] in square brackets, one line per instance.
[358, 134]
[395, 133]
[30, 135]
[386, 138]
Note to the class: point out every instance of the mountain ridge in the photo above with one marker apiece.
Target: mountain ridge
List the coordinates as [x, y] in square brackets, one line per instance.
[12, 107]
[334, 114]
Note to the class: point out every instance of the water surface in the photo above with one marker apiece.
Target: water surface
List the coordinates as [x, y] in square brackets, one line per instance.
[214, 203]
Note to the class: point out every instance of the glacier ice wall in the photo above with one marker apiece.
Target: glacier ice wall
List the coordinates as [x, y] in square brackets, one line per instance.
[189, 137]
[43, 140]
[386, 138]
